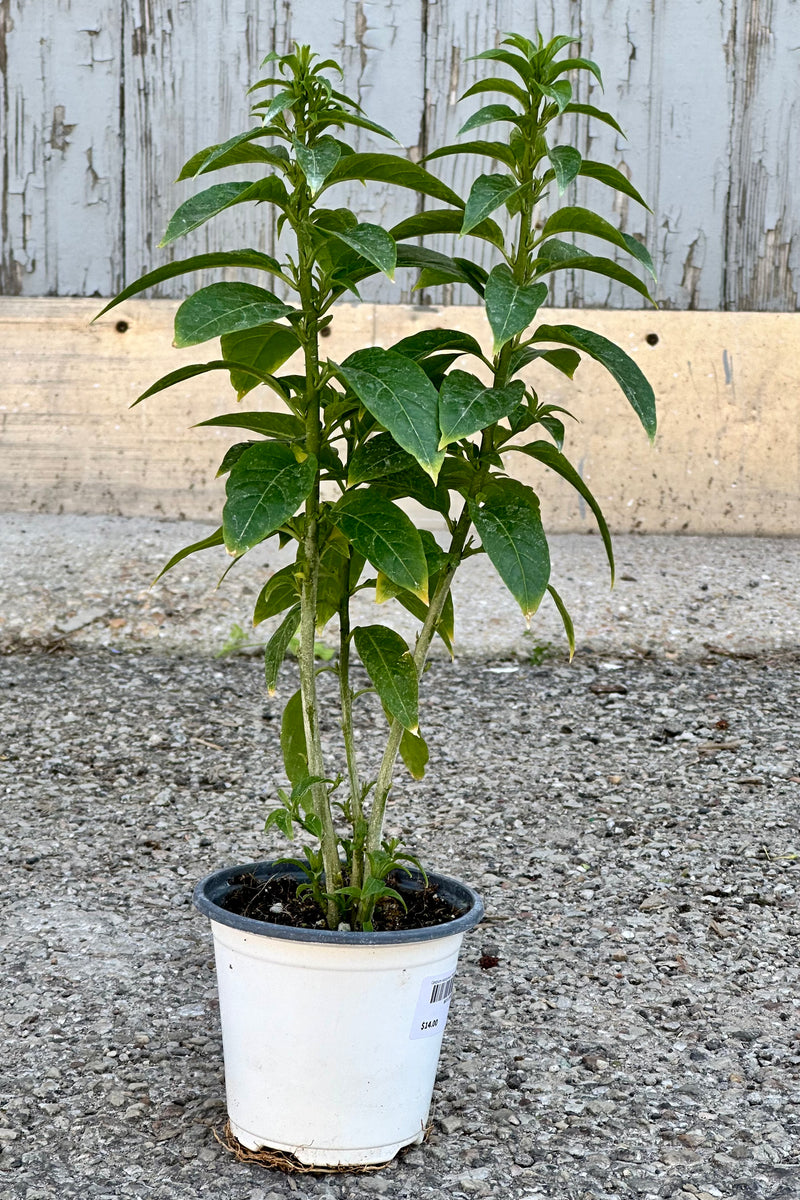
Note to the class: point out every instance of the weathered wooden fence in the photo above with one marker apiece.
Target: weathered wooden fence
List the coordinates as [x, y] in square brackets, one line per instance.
[102, 100]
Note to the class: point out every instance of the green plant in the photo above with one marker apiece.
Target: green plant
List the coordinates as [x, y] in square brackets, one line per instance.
[239, 641]
[386, 424]
[538, 652]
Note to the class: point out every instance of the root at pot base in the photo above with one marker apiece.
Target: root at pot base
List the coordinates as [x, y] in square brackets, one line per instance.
[276, 901]
[289, 1164]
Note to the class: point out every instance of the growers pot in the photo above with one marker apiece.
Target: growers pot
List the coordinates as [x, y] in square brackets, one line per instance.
[331, 1039]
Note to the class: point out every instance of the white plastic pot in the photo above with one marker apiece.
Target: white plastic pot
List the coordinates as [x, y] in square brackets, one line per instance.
[331, 1040]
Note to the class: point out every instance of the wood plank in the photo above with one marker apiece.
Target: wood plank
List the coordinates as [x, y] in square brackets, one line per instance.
[707, 92]
[60, 207]
[185, 85]
[677, 152]
[763, 249]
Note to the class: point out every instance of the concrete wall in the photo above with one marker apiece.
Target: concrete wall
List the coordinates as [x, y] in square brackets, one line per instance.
[726, 459]
[102, 100]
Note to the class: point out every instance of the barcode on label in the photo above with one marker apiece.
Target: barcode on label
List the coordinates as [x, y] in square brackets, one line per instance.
[442, 990]
[433, 1004]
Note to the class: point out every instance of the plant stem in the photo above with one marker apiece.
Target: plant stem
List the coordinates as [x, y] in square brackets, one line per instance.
[384, 780]
[346, 704]
[310, 579]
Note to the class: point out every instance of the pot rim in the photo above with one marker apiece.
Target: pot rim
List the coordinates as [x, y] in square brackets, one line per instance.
[213, 887]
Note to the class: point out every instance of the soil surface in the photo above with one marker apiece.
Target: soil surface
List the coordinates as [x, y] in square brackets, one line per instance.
[624, 1023]
[276, 900]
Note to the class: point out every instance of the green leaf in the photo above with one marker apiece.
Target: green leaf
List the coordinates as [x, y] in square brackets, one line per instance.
[270, 190]
[414, 753]
[282, 819]
[346, 118]
[385, 536]
[194, 369]
[385, 590]
[278, 593]
[488, 115]
[398, 393]
[467, 405]
[582, 261]
[577, 64]
[278, 644]
[555, 428]
[232, 456]
[282, 426]
[487, 193]
[335, 553]
[264, 347]
[588, 110]
[440, 268]
[639, 251]
[429, 341]
[515, 61]
[566, 619]
[388, 662]
[200, 262]
[317, 161]
[225, 308]
[626, 372]
[566, 162]
[214, 539]
[556, 252]
[372, 243]
[510, 306]
[496, 150]
[293, 740]
[378, 458]
[560, 92]
[414, 484]
[565, 361]
[525, 45]
[264, 489]
[611, 177]
[233, 153]
[436, 558]
[510, 529]
[445, 220]
[558, 43]
[198, 209]
[391, 168]
[245, 152]
[278, 104]
[543, 452]
[573, 219]
[506, 86]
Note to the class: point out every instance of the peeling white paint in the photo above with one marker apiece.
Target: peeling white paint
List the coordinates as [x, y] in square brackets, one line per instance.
[102, 100]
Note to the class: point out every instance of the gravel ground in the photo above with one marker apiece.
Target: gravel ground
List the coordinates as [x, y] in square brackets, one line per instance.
[631, 822]
[674, 597]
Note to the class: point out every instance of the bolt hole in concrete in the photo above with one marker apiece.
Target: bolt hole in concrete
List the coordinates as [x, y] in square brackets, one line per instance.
[122, 327]
[651, 339]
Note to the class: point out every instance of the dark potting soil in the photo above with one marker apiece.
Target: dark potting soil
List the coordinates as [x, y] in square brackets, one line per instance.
[275, 900]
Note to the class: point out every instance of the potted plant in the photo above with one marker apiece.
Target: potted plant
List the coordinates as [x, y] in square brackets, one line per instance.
[335, 967]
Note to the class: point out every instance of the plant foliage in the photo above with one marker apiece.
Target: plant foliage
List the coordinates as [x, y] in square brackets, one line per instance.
[431, 418]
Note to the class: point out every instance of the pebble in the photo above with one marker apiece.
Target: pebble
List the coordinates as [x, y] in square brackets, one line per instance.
[617, 1048]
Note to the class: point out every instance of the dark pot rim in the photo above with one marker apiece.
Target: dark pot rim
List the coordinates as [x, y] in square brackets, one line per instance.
[212, 889]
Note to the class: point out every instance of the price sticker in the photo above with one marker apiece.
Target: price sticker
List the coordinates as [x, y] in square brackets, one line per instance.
[433, 1005]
